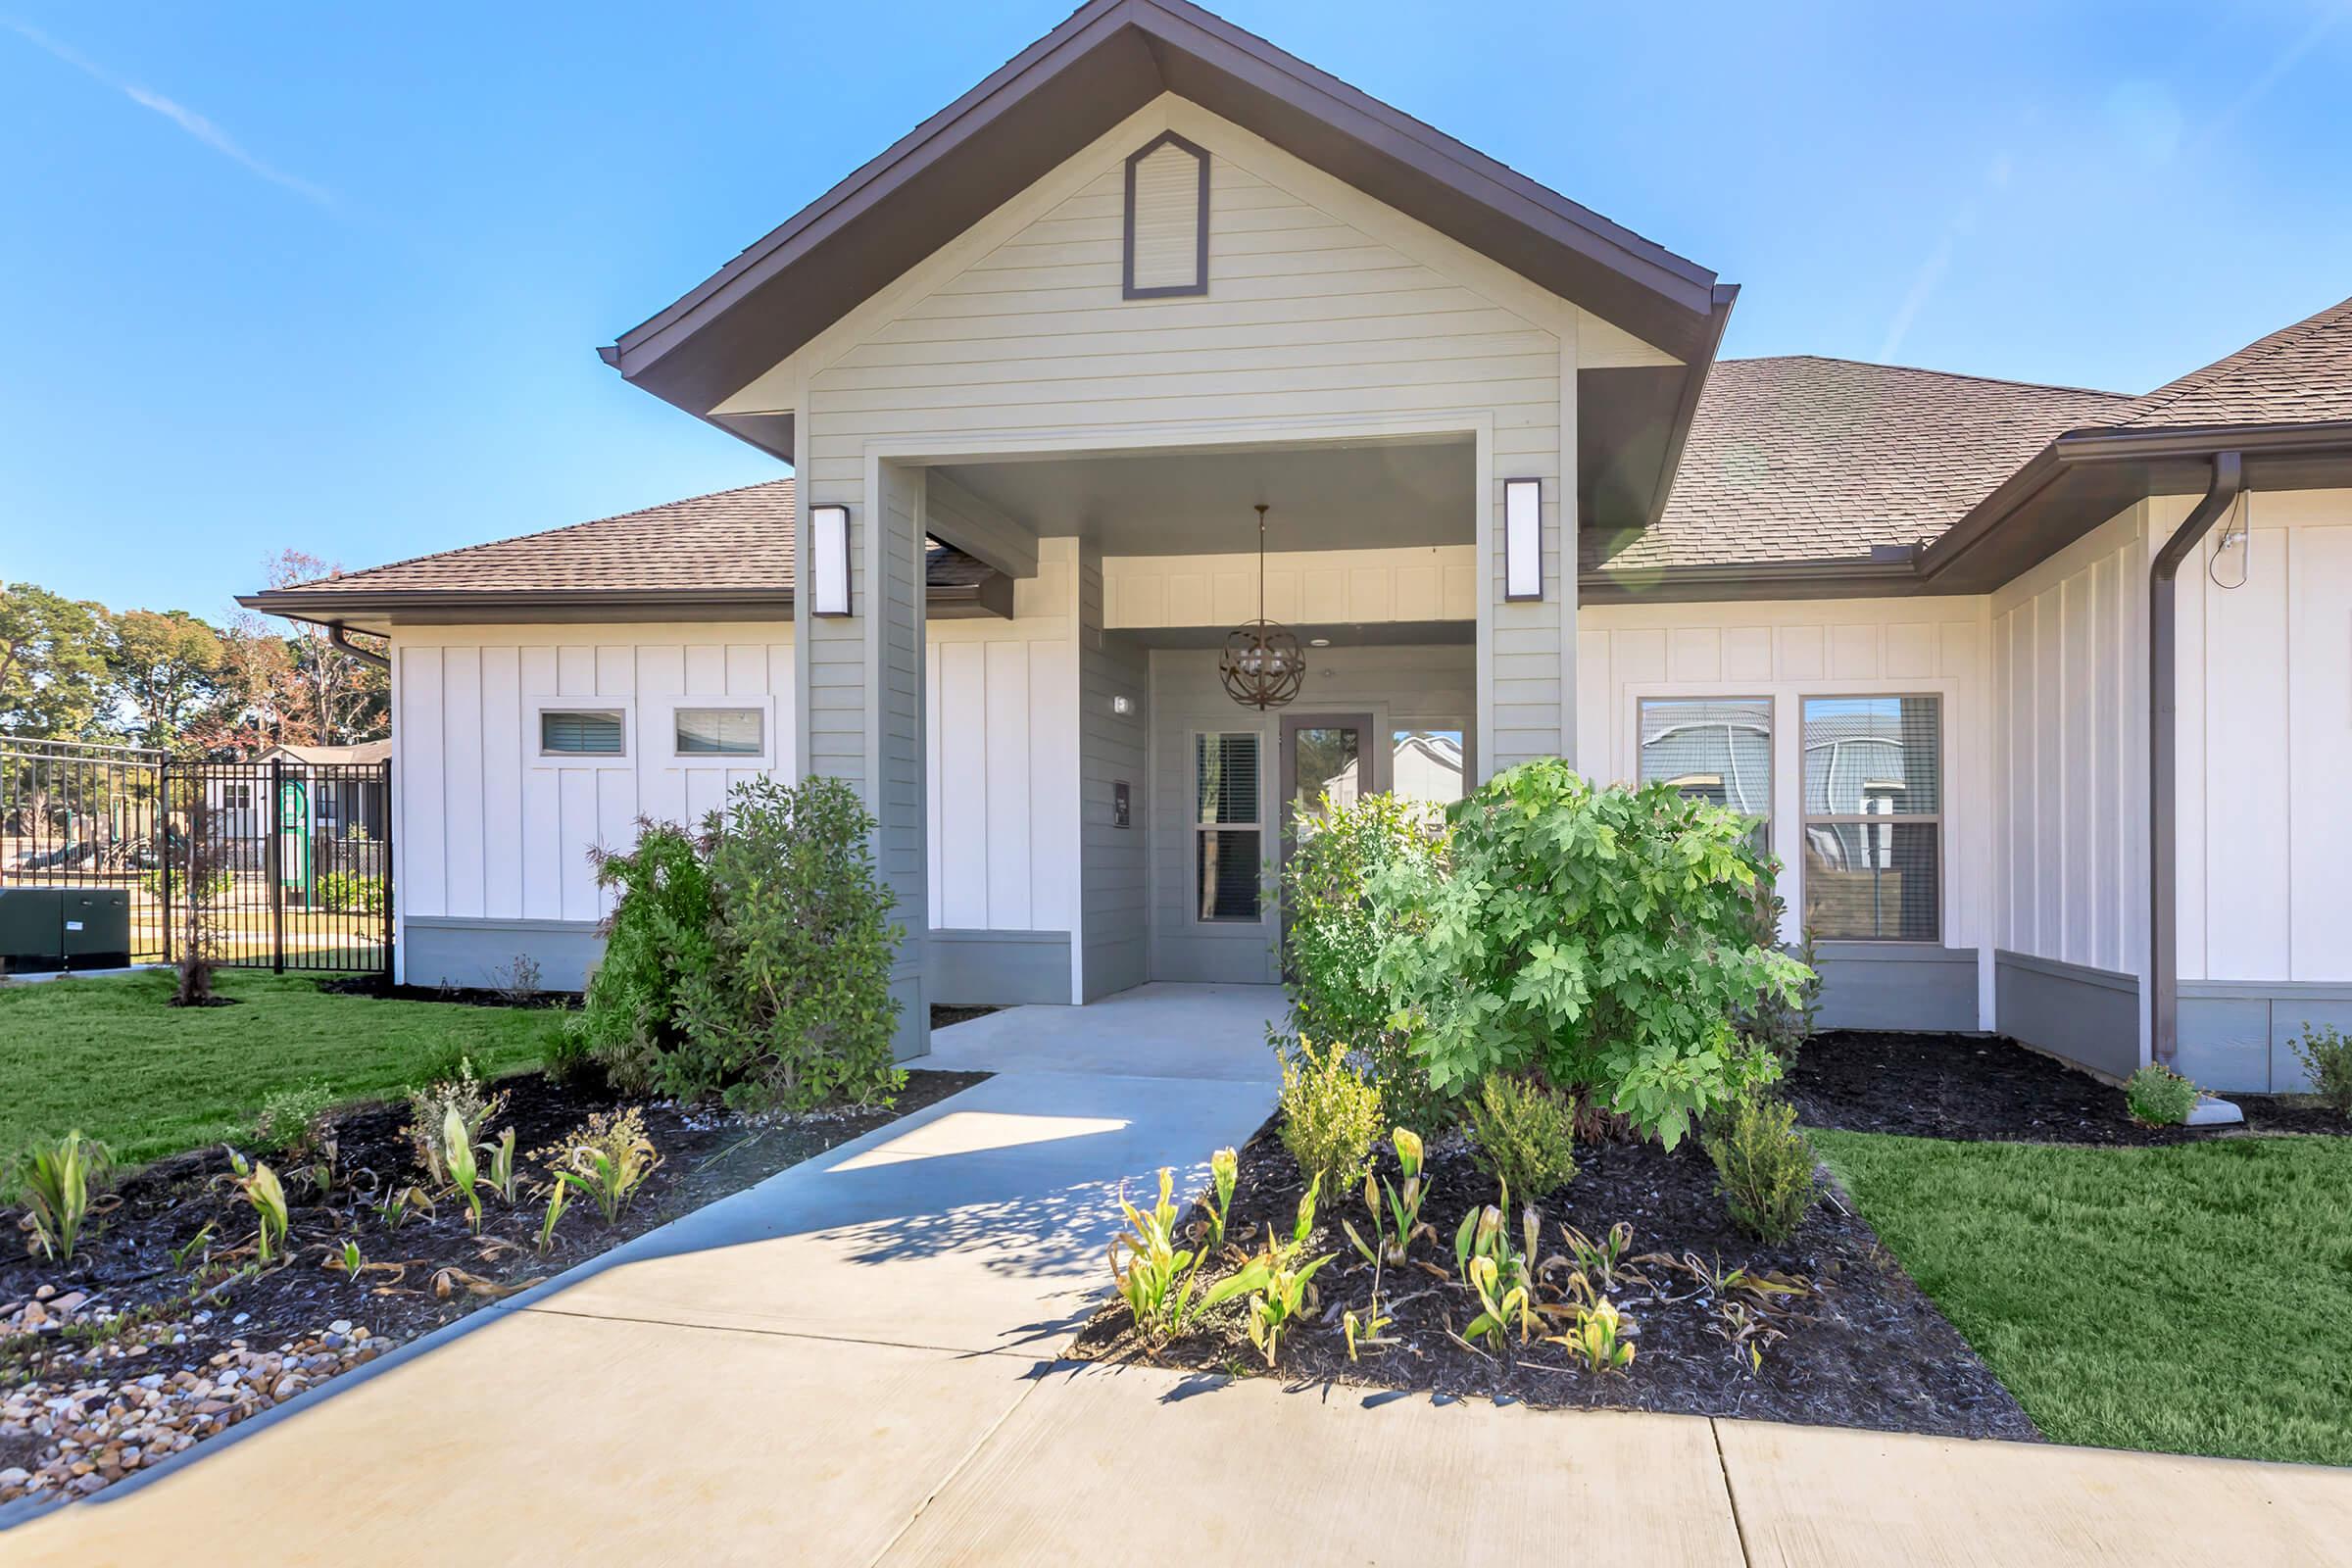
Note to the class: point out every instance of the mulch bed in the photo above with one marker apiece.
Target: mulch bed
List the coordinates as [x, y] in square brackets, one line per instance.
[124, 1356]
[1985, 1089]
[1867, 1348]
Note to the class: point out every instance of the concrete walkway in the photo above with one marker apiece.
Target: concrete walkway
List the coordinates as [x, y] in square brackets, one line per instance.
[855, 1363]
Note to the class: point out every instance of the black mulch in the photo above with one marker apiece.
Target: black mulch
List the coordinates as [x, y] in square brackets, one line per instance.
[1867, 1350]
[1985, 1089]
[126, 1264]
[945, 1014]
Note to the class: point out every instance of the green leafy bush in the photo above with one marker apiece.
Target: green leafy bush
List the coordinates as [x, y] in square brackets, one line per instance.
[1775, 1022]
[213, 884]
[350, 893]
[794, 1009]
[2158, 1097]
[1337, 931]
[657, 939]
[293, 1121]
[1331, 1114]
[1603, 938]
[1763, 1166]
[2326, 1053]
[1523, 1134]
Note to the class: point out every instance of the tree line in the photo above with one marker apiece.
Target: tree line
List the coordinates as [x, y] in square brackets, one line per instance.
[75, 670]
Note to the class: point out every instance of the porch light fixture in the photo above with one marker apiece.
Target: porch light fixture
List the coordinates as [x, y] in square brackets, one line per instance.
[829, 561]
[1263, 664]
[1522, 539]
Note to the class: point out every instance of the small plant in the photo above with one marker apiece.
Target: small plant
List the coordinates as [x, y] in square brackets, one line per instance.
[1598, 1336]
[1763, 1167]
[1497, 1271]
[260, 1187]
[457, 1101]
[1747, 1331]
[1395, 1232]
[1224, 1172]
[2326, 1053]
[2158, 1097]
[56, 1179]
[502, 1166]
[558, 1193]
[349, 1260]
[293, 1123]
[608, 1157]
[200, 1244]
[1371, 1328]
[463, 1173]
[1523, 1134]
[1602, 1262]
[1330, 1115]
[517, 981]
[1157, 1278]
[1282, 1286]
[398, 1207]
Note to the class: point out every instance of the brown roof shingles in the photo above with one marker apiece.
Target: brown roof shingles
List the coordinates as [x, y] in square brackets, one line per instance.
[2299, 375]
[1801, 458]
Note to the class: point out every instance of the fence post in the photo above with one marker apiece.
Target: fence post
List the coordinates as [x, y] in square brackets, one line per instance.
[163, 846]
[384, 874]
[275, 870]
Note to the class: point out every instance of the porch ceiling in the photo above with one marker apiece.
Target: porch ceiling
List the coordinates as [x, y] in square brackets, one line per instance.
[1365, 495]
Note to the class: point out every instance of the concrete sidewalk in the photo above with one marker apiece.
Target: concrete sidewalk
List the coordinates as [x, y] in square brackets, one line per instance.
[855, 1364]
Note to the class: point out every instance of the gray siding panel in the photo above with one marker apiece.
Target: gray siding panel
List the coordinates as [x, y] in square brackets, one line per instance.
[1000, 968]
[2240, 1035]
[2088, 1016]
[1870, 984]
[1112, 748]
[457, 951]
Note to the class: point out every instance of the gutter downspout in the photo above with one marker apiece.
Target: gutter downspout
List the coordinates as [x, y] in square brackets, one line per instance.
[2163, 842]
[339, 638]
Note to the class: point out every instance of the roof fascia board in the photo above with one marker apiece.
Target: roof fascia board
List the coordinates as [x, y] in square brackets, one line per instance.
[1792, 579]
[461, 605]
[1686, 408]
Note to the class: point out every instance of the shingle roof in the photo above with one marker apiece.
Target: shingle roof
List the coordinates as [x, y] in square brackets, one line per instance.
[1801, 458]
[736, 541]
[2297, 375]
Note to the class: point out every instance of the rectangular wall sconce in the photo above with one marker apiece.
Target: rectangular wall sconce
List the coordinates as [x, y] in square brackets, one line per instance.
[829, 561]
[1522, 539]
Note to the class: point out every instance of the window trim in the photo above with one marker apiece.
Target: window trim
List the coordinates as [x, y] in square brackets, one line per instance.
[1196, 827]
[534, 748]
[1199, 284]
[1937, 819]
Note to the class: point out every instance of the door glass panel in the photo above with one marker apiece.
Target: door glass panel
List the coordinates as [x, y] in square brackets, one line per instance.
[1326, 759]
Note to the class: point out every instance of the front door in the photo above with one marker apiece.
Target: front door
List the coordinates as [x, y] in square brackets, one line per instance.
[1326, 755]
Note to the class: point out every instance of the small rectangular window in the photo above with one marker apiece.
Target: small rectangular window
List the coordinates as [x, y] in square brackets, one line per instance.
[719, 733]
[1227, 830]
[1715, 749]
[565, 732]
[1874, 817]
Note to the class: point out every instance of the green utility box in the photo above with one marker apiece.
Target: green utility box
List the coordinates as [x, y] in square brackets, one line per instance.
[64, 928]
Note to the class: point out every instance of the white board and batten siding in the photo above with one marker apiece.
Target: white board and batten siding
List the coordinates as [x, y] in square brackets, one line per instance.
[490, 829]
[1788, 651]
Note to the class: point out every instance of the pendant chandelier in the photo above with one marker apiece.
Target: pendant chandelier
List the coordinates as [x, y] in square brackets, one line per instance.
[1263, 664]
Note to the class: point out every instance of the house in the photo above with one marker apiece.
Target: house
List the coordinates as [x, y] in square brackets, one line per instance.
[2043, 695]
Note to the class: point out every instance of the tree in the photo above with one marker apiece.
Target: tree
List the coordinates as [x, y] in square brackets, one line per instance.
[52, 662]
[165, 669]
[261, 701]
[340, 699]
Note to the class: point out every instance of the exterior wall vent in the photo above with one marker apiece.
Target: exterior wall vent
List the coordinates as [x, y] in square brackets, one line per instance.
[1167, 220]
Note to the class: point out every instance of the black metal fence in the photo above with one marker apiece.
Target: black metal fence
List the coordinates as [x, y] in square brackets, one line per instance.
[274, 863]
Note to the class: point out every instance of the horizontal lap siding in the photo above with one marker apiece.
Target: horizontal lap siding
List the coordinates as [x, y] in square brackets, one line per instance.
[486, 829]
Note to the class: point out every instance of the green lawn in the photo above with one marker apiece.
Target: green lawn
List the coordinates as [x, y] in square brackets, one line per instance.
[2195, 1299]
[108, 1056]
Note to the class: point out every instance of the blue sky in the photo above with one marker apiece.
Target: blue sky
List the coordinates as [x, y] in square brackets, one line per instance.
[334, 276]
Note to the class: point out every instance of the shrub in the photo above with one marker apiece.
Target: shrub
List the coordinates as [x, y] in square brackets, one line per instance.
[607, 1157]
[2326, 1053]
[795, 1009]
[1523, 1134]
[350, 893]
[563, 1053]
[657, 938]
[1763, 1166]
[1331, 1115]
[1600, 936]
[293, 1121]
[215, 884]
[56, 1180]
[1336, 932]
[2158, 1097]
[1774, 1022]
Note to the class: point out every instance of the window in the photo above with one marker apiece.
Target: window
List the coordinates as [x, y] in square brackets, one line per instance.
[569, 732]
[1167, 220]
[1715, 749]
[237, 797]
[719, 733]
[1427, 765]
[1226, 832]
[1874, 817]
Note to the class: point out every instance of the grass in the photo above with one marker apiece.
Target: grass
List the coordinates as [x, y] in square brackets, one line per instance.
[109, 1057]
[2192, 1300]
